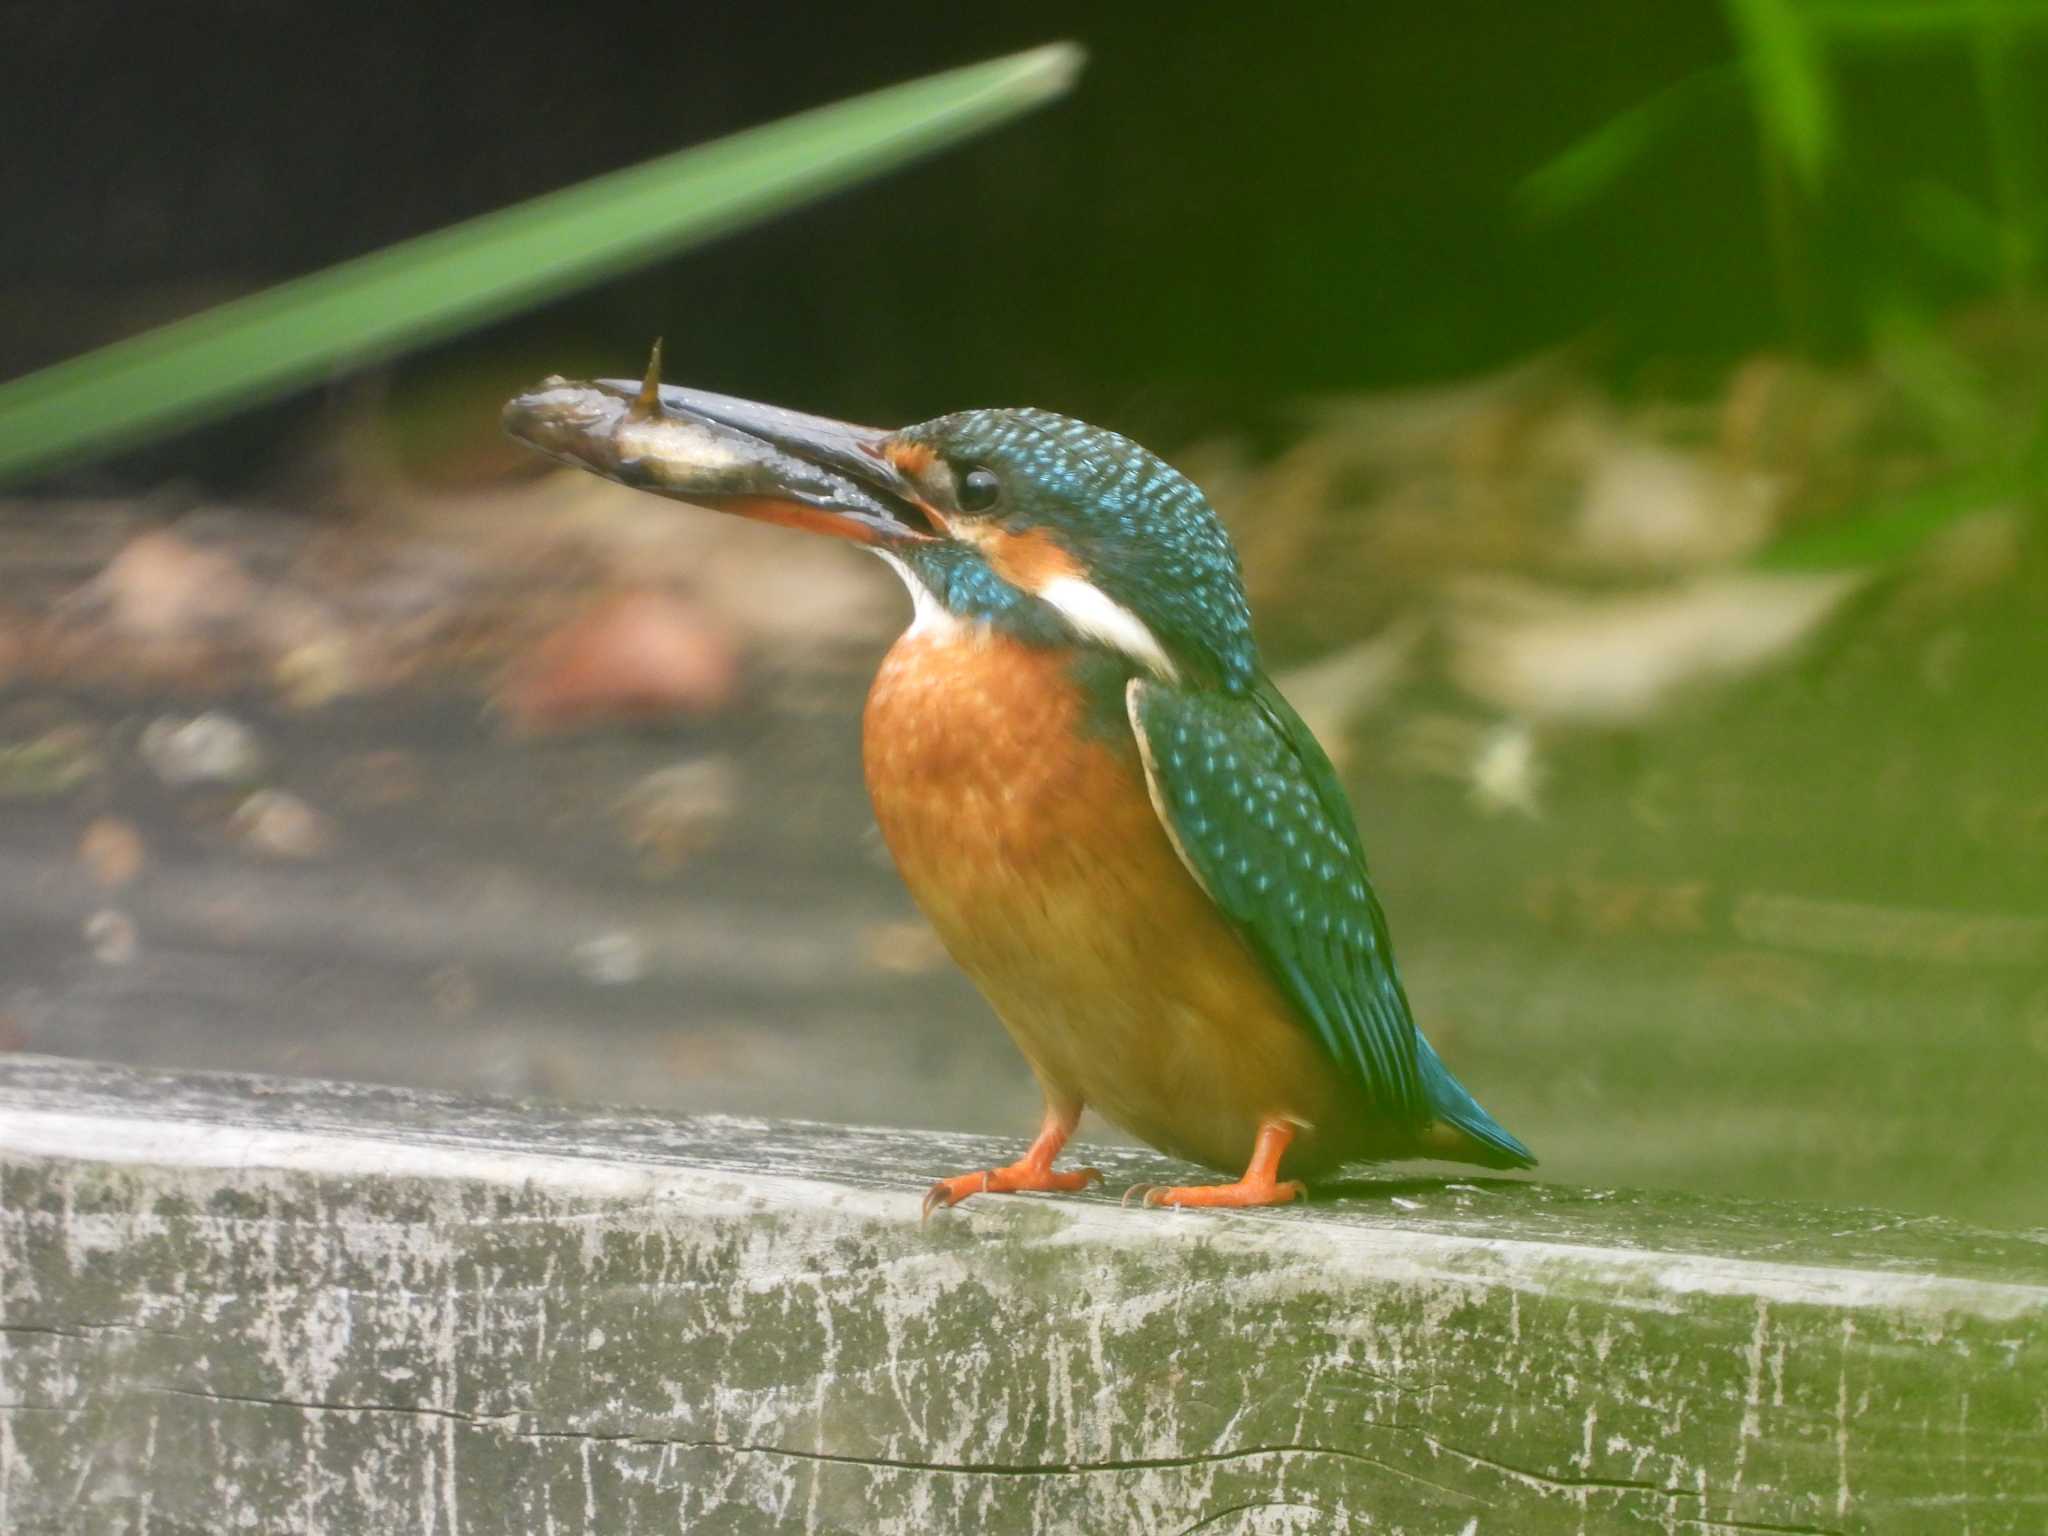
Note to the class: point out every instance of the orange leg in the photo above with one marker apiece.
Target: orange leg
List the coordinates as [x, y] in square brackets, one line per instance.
[1032, 1171]
[1259, 1186]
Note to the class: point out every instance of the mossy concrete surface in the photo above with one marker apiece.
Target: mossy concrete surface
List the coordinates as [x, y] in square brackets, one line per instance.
[247, 1304]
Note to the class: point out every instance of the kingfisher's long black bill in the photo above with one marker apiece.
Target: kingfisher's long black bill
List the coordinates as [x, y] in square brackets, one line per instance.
[758, 461]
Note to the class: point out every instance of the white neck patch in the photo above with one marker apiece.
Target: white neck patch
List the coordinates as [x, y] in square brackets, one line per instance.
[1101, 617]
[928, 615]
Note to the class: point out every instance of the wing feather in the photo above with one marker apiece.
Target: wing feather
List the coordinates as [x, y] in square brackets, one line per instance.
[1257, 815]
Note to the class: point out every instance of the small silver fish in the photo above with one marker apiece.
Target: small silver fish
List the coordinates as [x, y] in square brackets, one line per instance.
[719, 452]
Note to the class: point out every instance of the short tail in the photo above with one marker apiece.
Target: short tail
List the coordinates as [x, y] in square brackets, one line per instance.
[1489, 1144]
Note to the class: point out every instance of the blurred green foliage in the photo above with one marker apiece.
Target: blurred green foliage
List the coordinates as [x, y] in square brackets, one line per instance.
[1790, 54]
[1988, 233]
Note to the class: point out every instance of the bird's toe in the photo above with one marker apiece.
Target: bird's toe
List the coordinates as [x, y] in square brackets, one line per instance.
[1240, 1195]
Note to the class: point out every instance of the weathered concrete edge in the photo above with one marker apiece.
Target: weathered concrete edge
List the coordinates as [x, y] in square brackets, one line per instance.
[1389, 1254]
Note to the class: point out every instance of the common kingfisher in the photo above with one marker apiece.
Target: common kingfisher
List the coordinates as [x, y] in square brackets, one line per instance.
[1116, 824]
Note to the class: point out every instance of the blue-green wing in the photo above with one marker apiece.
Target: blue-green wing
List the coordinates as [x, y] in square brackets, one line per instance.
[1258, 816]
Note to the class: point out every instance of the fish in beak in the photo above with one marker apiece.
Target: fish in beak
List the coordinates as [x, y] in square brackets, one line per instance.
[758, 461]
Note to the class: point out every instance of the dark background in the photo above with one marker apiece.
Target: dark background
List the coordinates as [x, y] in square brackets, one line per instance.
[1240, 205]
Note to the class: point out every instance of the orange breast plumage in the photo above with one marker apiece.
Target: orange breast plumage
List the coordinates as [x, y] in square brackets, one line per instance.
[1020, 820]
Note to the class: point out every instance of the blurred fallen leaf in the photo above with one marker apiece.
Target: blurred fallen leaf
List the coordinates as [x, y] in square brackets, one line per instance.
[1649, 507]
[315, 672]
[633, 655]
[212, 748]
[279, 825]
[1547, 655]
[164, 588]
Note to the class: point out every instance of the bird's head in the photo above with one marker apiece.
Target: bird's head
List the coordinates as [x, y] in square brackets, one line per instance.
[1022, 519]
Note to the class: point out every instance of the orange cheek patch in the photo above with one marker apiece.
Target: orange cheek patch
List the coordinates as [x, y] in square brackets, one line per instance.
[1027, 560]
[912, 458]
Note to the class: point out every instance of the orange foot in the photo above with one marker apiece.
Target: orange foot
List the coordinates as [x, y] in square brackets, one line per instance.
[1259, 1186]
[1031, 1172]
[1020, 1177]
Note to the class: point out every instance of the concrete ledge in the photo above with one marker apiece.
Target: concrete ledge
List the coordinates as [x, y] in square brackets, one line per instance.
[241, 1304]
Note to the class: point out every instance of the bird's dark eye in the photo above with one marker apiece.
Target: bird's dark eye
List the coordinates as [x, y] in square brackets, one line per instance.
[980, 489]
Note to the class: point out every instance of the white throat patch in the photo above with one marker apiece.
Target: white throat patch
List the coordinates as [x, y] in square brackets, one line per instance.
[928, 615]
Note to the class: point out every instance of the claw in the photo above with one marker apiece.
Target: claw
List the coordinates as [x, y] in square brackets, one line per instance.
[1144, 1191]
[947, 1193]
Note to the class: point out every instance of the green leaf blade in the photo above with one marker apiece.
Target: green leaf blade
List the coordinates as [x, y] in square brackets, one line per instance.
[1590, 166]
[426, 289]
